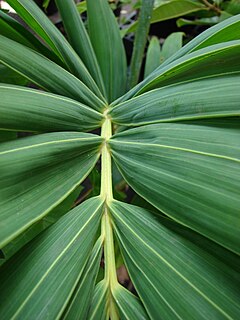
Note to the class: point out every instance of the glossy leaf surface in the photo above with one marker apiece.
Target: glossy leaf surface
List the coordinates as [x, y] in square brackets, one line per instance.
[39, 281]
[177, 273]
[37, 173]
[189, 172]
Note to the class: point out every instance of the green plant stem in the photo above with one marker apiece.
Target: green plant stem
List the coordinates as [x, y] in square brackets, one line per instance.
[107, 233]
[106, 170]
[140, 41]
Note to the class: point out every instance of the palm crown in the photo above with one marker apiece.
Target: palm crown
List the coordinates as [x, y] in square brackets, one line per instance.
[179, 150]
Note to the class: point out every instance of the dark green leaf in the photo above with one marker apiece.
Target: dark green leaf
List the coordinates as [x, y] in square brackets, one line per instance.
[189, 172]
[129, 306]
[99, 306]
[208, 98]
[140, 41]
[225, 31]
[80, 301]
[12, 29]
[7, 75]
[7, 135]
[39, 22]
[219, 59]
[38, 282]
[171, 9]
[38, 173]
[79, 39]
[24, 109]
[17, 243]
[108, 46]
[177, 273]
[45, 73]
[152, 56]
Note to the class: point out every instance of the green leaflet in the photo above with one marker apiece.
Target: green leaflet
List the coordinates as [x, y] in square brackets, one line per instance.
[130, 307]
[80, 302]
[171, 45]
[156, 55]
[37, 173]
[108, 46]
[79, 39]
[189, 172]
[227, 30]
[219, 59]
[12, 29]
[24, 109]
[45, 73]
[152, 56]
[54, 215]
[39, 22]
[208, 98]
[38, 282]
[99, 305]
[177, 273]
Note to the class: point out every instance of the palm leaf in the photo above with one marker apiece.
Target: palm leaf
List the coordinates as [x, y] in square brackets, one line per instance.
[12, 29]
[130, 306]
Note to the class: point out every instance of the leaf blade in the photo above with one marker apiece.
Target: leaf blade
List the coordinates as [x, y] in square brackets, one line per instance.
[209, 98]
[23, 109]
[108, 46]
[189, 172]
[76, 30]
[55, 261]
[38, 21]
[41, 170]
[182, 281]
[45, 73]
[80, 302]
